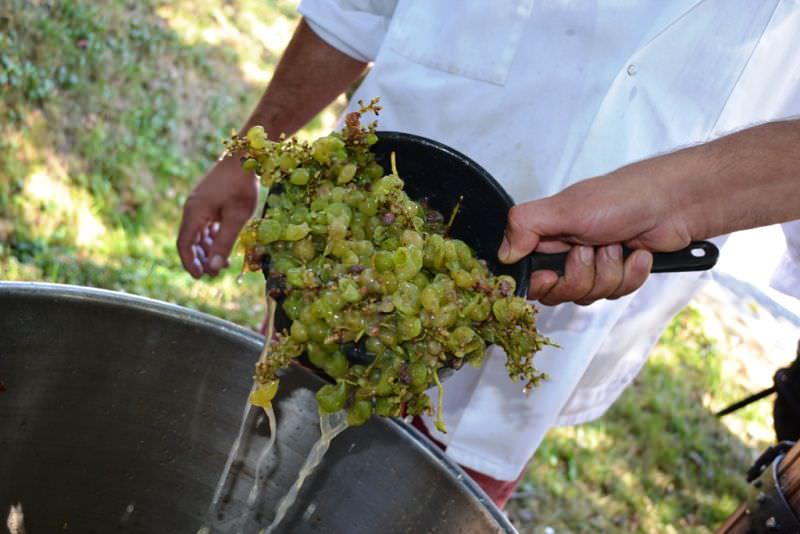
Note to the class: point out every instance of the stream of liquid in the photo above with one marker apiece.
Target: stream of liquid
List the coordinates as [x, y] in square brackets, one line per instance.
[330, 425]
[215, 513]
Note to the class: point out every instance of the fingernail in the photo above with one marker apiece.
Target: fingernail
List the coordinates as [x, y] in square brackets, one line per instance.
[197, 269]
[615, 252]
[644, 260]
[502, 254]
[586, 255]
[541, 283]
[216, 263]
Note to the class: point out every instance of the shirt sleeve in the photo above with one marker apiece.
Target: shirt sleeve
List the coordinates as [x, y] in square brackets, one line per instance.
[354, 27]
[786, 277]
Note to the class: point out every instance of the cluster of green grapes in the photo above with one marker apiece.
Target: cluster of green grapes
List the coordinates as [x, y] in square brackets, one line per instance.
[379, 298]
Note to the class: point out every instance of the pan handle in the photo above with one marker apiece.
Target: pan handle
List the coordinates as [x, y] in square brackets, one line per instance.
[698, 256]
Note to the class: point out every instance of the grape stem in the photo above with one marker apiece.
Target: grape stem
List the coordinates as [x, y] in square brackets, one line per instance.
[453, 215]
[394, 164]
[439, 400]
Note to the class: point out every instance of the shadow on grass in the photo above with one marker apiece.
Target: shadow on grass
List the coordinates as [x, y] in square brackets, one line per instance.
[658, 461]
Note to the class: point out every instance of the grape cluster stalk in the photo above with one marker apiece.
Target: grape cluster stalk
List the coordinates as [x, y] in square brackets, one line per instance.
[361, 269]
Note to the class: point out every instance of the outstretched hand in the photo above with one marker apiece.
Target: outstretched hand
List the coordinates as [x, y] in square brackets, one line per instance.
[213, 215]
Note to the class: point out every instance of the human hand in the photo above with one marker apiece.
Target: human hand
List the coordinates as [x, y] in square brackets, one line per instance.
[591, 220]
[213, 215]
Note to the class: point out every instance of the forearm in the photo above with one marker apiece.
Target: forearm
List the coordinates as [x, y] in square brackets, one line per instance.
[309, 76]
[747, 179]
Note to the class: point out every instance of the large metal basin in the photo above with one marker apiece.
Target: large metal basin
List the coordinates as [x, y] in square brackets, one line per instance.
[117, 414]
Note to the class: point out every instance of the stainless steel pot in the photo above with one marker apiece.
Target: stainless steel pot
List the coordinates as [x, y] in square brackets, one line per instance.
[117, 414]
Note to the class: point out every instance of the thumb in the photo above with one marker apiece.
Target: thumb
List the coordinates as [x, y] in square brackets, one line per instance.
[521, 234]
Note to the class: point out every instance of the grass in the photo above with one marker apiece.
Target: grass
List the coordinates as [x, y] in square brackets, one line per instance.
[658, 461]
[110, 111]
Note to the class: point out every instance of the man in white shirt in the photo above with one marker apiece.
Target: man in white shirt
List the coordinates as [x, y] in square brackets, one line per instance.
[542, 94]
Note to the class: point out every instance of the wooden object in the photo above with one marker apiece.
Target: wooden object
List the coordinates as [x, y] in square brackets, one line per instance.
[789, 474]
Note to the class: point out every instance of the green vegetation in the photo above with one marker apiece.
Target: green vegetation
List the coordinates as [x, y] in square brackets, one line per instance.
[109, 111]
[658, 461]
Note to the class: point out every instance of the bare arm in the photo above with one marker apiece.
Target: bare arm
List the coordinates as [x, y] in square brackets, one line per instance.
[309, 76]
[747, 179]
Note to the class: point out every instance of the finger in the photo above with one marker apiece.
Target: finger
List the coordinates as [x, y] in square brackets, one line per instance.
[541, 283]
[635, 271]
[520, 237]
[200, 254]
[608, 274]
[578, 278]
[207, 238]
[229, 227]
[192, 222]
[552, 246]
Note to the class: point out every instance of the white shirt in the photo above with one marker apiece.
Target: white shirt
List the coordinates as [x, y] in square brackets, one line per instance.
[546, 93]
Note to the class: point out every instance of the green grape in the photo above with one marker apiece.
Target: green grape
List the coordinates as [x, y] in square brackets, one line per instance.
[462, 278]
[409, 327]
[257, 137]
[287, 163]
[299, 215]
[368, 206]
[319, 204]
[299, 176]
[317, 331]
[412, 237]
[249, 235]
[388, 336]
[269, 230]
[374, 346]
[388, 282]
[293, 305]
[359, 412]
[407, 298]
[446, 316]
[502, 311]
[407, 262]
[419, 374]
[363, 248]
[304, 249]
[295, 232]
[296, 276]
[349, 290]
[336, 365]
[478, 309]
[346, 173]
[331, 398]
[460, 340]
[337, 228]
[429, 298]
[505, 285]
[299, 332]
[250, 164]
[387, 407]
[316, 354]
[282, 263]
